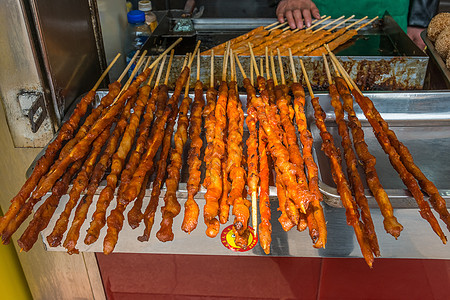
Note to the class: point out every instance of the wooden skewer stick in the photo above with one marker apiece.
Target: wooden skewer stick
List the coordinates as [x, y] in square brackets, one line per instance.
[169, 66]
[198, 65]
[261, 67]
[186, 89]
[365, 24]
[318, 23]
[270, 25]
[151, 76]
[147, 63]
[240, 66]
[267, 63]
[252, 77]
[232, 69]
[313, 22]
[340, 23]
[274, 74]
[211, 81]
[186, 58]
[165, 52]
[335, 68]
[191, 60]
[327, 69]
[345, 75]
[252, 55]
[125, 71]
[280, 62]
[311, 93]
[225, 63]
[278, 26]
[328, 24]
[353, 24]
[158, 77]
[135, 70]
[291, 59]
[99, 81]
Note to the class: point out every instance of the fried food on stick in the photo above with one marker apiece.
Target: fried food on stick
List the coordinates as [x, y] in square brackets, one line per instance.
[214, 188]
[172, 206]
[391, 225]
[352, 165]
[317, 224]
[338, 176]
[191, 209]
[117, 165]
[149, 214]
[394, 157]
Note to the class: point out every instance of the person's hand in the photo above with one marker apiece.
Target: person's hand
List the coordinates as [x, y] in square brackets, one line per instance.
[414, 35]
[297, 12]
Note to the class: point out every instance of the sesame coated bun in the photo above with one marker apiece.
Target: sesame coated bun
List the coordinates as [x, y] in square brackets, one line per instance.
[437, 25]
[442, 44]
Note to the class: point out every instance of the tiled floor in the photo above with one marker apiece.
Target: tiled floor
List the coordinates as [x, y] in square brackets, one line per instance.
[164, 276]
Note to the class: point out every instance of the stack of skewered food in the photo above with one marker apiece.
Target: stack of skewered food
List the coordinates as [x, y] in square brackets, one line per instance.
[302, 42]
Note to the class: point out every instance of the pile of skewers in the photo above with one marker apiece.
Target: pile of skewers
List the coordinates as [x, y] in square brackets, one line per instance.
[302, 42]
[132, 134]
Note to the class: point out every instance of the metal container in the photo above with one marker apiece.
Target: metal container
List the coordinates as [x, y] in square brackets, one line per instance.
[413, 113]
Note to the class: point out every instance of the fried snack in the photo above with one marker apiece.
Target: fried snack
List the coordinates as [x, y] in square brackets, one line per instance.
[427, 186]
[219, 49]
[237, 175]
[437, 25]
[313, 172]
[100, 168]
[135, 215]
[281, 155]
[117, 164]
[146, 163]
[316, 40]
[256, 40]
[265, 227]
[394, 157]
[210, 121]
[296, 41]
[45, 212]
[214, 189]
[79, 185]
[391, 225]
[135, 185]
[172, 206]
[339, 178]
[81, 148]
[191, 209]
[352, 171]
[442, 44]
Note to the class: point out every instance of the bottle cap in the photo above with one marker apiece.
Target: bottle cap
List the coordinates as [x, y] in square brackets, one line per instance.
[145, 5]
[136, 16]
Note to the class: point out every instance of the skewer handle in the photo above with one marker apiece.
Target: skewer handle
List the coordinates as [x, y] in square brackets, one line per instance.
[105, 72]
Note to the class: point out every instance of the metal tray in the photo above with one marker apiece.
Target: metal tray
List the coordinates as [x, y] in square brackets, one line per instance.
[421, 121]
[416, 241]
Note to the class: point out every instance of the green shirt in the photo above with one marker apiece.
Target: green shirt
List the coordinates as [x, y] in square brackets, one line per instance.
[371, 8]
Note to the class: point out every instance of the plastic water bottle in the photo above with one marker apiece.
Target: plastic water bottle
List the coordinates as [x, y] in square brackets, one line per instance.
[137, 32]
[150, 17]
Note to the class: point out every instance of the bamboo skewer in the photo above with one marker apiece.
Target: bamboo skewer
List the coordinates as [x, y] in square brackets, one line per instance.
[267, 64]
[365, 24]
[211, 82]
[261, 67]
[151, 76]
[253, 59]
[340, 23]
[278, 26]
[317, 23]
[392, 147]
[274, 74]
[283, 80]
[357, 22]
[99, 81]
[198, 65]
[194, 53]
[314, 23]
[252, 77]
[291, 60]
[270, 25]
[169, 66]
[328, 24]
[161, 68]
[225, 63]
